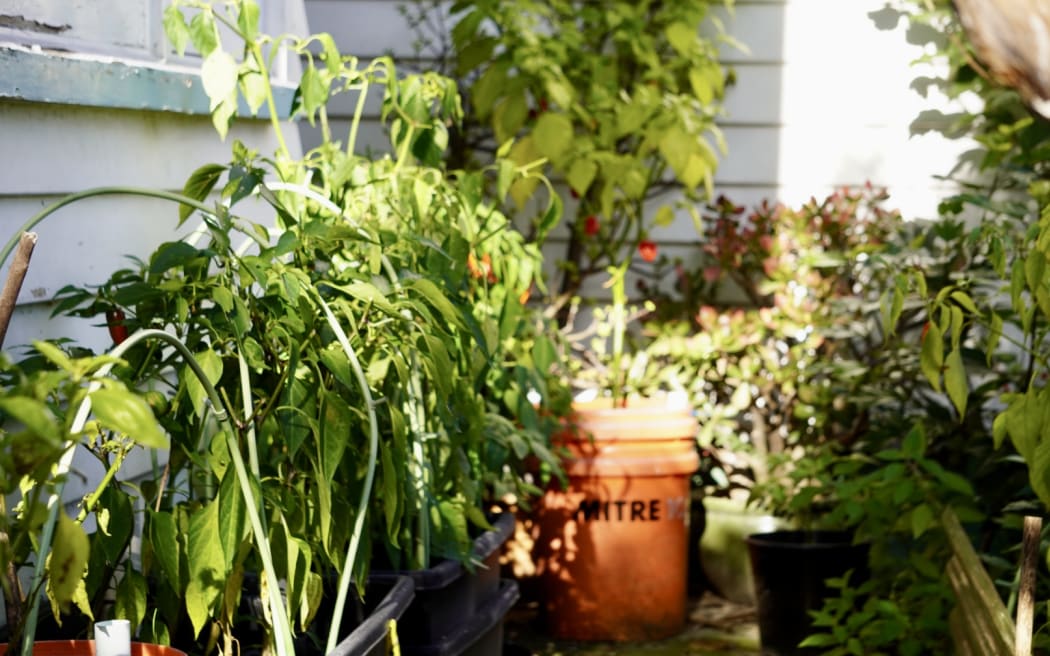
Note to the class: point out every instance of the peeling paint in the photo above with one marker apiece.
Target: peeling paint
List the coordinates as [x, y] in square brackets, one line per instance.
[30, 25]
[38, 292]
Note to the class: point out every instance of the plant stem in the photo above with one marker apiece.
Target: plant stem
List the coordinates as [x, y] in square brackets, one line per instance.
[355, 123]
[249, 420]
[97, 191]
[362, 506]
[92, 499]
[618, 282]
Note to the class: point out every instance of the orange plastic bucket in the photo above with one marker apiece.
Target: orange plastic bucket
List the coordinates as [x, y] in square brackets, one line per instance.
[613, 548]
[87, 648]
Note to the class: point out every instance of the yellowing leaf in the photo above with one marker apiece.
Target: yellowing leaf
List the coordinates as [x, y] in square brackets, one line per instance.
[682, 37]
[553, 136]
[931, 358]
[524, 152]
[581, 174]
[219, 76]
[68, 561]
[955, 380]
[664, 216]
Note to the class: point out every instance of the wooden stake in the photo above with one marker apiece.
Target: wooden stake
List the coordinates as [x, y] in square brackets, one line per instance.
[15, 275]
[1026, 594]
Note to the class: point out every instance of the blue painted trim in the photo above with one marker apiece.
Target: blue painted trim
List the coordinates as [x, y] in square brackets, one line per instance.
[53, 78]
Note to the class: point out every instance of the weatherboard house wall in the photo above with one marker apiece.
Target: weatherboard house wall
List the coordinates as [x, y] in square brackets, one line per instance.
[92, 94]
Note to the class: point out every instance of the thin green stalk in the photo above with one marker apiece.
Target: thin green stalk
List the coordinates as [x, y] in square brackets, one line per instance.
[619, 326]
[355, 123]
[111, 472]
[97, 191]
[346, 577]
[271, 105]
[246, 396]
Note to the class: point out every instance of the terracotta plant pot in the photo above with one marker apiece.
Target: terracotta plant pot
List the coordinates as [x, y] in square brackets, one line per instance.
[614, 546]
[87, 648]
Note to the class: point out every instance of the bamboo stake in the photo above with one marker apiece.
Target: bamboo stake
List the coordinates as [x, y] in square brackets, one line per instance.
[1026, 595]
[15, 275]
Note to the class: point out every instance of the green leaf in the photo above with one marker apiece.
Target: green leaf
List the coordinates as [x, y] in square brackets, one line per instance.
[233, 522]
[553, 136]
[36, 416]
[434, 296]
[335, 433]
[129, 414]
[313, 92]
[203, 554]
[211, 364]
[488, 88]
[707, 83]
[223, 114]
[253, 86]
[524, 152]
[1034, 269]
[422, 194]
[1039, 471]
[995, 333]
[164, 538]
[550, 218]
[664, 216]
[581, 174]
[199, 185]
[963, 299]
[931, 358]
[203, 33]
[914, 445]
[922, 517]
[68, 561]
[504, 178]
[682, 37]
[176, 29]
[54, 354]
[130, 603]
[509, 115]
[559, 92]
[392, 507]
[172, 255]
[248, 20]
[369, 293]
[955, 380]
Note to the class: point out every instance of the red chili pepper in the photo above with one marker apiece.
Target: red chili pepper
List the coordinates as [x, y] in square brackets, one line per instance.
[591, 226]
[118, 329]
[647, 250]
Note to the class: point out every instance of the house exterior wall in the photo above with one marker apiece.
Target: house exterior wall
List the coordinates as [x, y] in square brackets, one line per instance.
[91, 94]
[825, 96]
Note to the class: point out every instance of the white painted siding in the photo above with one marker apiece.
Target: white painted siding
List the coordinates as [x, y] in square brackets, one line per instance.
[54, 149]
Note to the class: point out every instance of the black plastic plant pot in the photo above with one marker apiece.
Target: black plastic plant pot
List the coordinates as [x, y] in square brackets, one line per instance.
[481, 634]
[448, 596]
[790, 569]
[384, 601]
